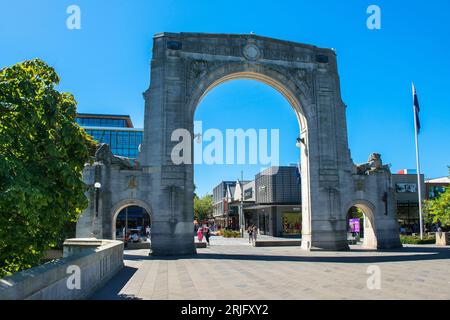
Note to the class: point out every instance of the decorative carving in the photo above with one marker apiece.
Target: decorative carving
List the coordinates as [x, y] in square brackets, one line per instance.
[373, 165]
[198, 68]
[132, 183]
[301, 74]
[360, 185]
[174, 45]
[251, 52]
[195, 69]
[104, 155]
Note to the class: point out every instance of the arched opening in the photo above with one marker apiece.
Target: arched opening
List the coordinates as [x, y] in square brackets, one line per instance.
[239, 200]
[360, 226]
[132, 223]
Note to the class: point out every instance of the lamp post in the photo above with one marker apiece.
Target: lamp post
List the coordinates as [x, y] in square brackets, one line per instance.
[97, 187]
[241, 205]
[300, 142]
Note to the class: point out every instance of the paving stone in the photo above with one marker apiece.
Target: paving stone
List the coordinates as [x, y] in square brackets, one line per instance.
[239, 271]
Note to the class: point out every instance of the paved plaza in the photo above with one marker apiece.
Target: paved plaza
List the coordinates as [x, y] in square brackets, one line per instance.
[232, 269]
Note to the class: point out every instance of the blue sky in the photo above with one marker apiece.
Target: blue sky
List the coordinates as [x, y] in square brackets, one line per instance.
[106, 66]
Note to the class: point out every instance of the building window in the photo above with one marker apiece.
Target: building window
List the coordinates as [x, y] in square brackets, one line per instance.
[121, 143]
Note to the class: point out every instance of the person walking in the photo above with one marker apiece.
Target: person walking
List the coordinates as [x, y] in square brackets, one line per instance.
[250, 235]
[255, 233]
[207, 234]
[200, 234]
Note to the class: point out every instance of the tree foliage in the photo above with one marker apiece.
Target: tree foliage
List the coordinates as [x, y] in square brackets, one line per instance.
[203, 207]
[42, 155]
[439, 209]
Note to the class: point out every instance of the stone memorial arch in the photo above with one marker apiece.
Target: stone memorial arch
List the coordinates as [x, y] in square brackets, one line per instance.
[184, 67]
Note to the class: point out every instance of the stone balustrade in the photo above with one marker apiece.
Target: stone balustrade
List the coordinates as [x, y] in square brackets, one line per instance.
[87, 264]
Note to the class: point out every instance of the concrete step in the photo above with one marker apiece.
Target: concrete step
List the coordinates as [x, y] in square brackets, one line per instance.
[138, 245]
[200, 244]
[277, 243]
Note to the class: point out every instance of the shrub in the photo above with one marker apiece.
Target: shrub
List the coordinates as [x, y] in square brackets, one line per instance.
[416, 239]
[231, 234]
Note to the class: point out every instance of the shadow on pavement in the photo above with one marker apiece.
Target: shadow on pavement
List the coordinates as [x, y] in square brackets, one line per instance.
[112, 288]
[392, 255]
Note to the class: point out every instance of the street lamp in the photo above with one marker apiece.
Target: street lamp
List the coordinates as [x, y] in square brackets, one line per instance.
[97, 187]
[300, 142]
[241, 208]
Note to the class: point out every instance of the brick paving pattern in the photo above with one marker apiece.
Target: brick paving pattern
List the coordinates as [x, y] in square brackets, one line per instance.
[232, 269]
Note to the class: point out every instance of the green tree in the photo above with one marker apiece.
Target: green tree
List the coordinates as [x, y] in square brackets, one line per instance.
[439, 209]
[42, 155]
[203, 207]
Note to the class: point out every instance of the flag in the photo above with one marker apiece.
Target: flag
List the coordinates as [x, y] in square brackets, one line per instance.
[416, 108]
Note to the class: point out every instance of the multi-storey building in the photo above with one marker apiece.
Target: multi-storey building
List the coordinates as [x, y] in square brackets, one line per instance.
[406, 191]
[272, 202]
[277, 209]
[222, 196]
[435, 187]
[115, 130]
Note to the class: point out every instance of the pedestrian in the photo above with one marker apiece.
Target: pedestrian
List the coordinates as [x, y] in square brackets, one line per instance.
[135, 237]
[250, 235]
[207, 234]
[255, 233]
[200, 234]
[147, 231]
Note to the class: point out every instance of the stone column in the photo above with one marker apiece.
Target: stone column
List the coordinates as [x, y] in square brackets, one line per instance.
[324, 226]
[171, 194]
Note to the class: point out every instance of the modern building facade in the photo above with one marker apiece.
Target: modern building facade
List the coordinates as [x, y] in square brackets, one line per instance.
[407, 197]
[272, 202]
[223, 215]
[435, 187]
[115, 130]
[277, 209]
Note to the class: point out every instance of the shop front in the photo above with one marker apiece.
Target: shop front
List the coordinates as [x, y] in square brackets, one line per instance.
[291, 224]
[275, 220]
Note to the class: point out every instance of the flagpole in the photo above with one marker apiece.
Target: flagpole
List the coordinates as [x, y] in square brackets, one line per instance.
[419, 185]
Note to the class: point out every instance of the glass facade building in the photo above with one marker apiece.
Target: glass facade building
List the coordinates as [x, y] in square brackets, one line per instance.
[101, 122]
[115, 130]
